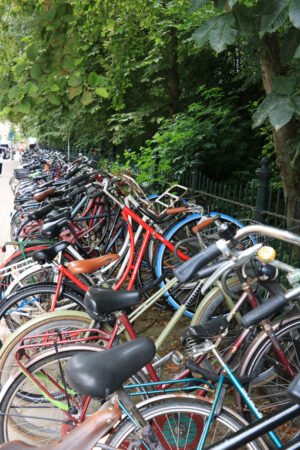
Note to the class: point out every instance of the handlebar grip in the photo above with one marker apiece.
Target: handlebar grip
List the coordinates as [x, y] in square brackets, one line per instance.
[72, 172]
[96, 194]
[190, 267]
[180, 209]
[264, 311]
[202, 225]
[77, 180]
[77, 191]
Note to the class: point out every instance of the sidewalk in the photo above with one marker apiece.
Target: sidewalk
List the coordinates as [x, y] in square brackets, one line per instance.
[6, 202]
[6, 205]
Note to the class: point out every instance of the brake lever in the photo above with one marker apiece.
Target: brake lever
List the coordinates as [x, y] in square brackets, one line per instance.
[238, 258]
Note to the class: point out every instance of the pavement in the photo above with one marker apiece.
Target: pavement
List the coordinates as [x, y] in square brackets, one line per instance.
[6, 205]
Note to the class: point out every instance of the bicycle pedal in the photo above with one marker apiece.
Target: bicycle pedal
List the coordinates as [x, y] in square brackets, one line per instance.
[177, 358]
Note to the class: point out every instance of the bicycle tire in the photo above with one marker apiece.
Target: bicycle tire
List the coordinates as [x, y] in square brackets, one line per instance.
[175, 233]
[179, 424]
[15, 258]
[18, 391]
[43, 274]
[47, 322]
[271, 382]
[22, 392]
[17, 219]
[216, 304]
[29, 307]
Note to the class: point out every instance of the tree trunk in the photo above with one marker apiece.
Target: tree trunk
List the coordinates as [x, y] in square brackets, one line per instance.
[271, 67]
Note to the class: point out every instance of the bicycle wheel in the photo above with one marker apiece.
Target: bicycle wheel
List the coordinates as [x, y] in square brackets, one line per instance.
[18, 218]
[28, 415]
[164, 259]
[32, 301]
[271, 379]
[22, 276]
[179, 423]
[50, 322]
[215, 304]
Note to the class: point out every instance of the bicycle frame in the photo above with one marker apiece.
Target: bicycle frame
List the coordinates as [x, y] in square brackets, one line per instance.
[247, 399]
[260, 427]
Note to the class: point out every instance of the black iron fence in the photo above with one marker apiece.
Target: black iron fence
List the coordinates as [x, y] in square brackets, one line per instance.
[255, 202]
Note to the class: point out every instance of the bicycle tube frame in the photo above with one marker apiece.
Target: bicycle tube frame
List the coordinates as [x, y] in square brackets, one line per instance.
[126, 213]
[139, 311]
[258, 428]
[247, 399]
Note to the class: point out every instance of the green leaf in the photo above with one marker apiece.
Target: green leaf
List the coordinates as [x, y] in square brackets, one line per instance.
[289, 45]
[277, 13]
[223, 33]
[54, 99]
[50, 14]
[297, 53]
[32, 53]
[283, 85]
[87, 98]
[74, 91]
[197, 4]
[19, 68]
[74, 80]
[264, 109]
[33, 89]
[282, 114]
[296, 102]
[244, 20]
[23, 107]
[14, 93]
[201, 35]
[102, 81]
[294, 13]
[78, 61]
[35, 71]
[54, 88]
[102, 92]
[69, 63]
[6, 111]
[93, 79]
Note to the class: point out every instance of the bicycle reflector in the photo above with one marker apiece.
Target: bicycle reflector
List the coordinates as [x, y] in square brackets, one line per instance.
[266, 254]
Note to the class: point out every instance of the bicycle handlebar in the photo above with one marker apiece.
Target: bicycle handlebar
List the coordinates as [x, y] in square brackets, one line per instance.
[275, 233]
[186, 271]
[189, 268]
[267, 309]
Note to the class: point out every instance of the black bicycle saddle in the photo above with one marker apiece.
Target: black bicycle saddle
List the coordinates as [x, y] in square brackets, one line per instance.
[53, 229]
[105, 301]
[48, 254]
[99, 374]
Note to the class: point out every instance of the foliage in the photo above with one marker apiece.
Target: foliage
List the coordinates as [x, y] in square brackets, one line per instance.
[203, 128]
[251, 21]
[114, 74]
[104, 72]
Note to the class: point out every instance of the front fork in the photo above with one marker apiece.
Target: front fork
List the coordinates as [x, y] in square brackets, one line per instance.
[144, 433]
[279, 352]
